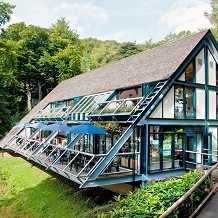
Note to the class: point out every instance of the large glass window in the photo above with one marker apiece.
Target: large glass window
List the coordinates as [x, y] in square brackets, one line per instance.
[167, 151]
[166, 148]
[134, 93]
[189, 72]
[154, 152]
[184, 102]
[189, 102]
[178, 152]
[179, 102]
[216, 74]
[191, 156]
[217, 105]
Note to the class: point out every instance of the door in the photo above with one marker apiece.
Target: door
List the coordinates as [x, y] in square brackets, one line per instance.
[207, 149]
[190, 150]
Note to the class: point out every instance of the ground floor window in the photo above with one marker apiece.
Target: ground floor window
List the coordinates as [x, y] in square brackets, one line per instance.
[166, 148]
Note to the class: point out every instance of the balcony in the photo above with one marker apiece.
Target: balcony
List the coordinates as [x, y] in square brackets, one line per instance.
[122, 108]
[77, 165]
[53, 114]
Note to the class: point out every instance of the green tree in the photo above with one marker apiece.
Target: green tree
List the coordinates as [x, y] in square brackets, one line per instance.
[5, 12]
[31, 41]
[8, 102]
[213, 17]
[146, 45]
[173, 37]
[129, 48]
[98, 53]
[63, 57]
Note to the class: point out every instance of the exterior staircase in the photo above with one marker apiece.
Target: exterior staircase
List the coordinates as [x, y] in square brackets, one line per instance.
[143, 110]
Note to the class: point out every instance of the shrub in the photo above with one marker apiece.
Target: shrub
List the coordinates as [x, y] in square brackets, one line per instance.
[157, 197]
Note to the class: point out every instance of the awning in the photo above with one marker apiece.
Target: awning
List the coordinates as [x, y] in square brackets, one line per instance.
[88, 129]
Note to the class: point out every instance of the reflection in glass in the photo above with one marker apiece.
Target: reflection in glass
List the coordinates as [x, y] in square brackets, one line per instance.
[167, 151]
[179, 102]
[189, 72]
[178, 158]
[190, 147]
[216, 104]
[189, 102]
[154, 153]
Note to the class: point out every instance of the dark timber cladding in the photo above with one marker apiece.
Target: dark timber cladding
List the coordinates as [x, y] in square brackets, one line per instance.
[155, 64]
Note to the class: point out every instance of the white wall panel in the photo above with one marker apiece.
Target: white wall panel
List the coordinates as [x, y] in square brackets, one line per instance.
[213, 131]
[168, 104]
[47, 107]
[157, 113]
[200, 67]
[200, 103]
[212, 105]
[182, 77]
[211, 70]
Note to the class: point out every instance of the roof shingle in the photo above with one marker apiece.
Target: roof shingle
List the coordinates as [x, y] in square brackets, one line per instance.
[158, 63]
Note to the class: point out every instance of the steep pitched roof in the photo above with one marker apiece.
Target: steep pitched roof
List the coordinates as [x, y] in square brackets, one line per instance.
[158, 63]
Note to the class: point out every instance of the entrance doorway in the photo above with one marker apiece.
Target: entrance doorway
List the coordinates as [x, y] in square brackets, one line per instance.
[207, 149]
[190, 150]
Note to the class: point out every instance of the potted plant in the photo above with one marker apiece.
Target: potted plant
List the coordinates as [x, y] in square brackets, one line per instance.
[112, 128]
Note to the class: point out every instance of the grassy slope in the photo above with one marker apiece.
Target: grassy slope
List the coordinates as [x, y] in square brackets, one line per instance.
[27, 191]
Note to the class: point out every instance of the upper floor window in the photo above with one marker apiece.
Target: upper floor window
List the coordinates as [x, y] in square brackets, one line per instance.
[184, 102]
[134, 93]
[189, 72]
[216, 74]
[189, 92]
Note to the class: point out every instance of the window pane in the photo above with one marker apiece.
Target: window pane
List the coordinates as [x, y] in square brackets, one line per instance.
[189, 102]
[189, 73]
[216, 105]
[190, 148]
[178, 159]
[179, 102]
[154, 153]
[167, 151]
[216, 75]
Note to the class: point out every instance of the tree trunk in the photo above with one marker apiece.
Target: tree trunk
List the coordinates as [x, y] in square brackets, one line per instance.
[40, 91]
[29, 98]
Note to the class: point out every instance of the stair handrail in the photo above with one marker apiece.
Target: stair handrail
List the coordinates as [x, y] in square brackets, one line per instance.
[94, 173]
[189, 192]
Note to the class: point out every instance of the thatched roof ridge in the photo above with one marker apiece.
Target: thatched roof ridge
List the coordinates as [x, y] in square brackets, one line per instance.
[155, 64]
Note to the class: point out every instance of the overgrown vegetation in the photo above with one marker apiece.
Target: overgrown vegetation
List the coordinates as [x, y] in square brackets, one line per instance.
[153, 200]
[27, 191]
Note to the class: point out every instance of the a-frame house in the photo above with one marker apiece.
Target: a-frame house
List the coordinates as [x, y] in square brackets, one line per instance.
[160, 107]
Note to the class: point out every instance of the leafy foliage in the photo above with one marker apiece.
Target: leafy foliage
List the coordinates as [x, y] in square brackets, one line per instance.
[213, 17]
[98, 53]
[153, 200]
[112, 128]
[5, 12]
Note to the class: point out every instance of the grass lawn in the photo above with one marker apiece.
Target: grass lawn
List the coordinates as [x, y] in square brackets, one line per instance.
[28, 191]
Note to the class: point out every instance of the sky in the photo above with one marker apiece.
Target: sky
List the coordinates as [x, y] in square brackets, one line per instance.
[120, 20]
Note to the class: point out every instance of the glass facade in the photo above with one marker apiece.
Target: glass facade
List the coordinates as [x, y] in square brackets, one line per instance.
[88, 104]
[189, 99]
[166, 148]
[184, 102]
[190, 73]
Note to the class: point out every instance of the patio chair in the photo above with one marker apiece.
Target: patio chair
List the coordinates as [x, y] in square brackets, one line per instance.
[64, 158]
[115, 163]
